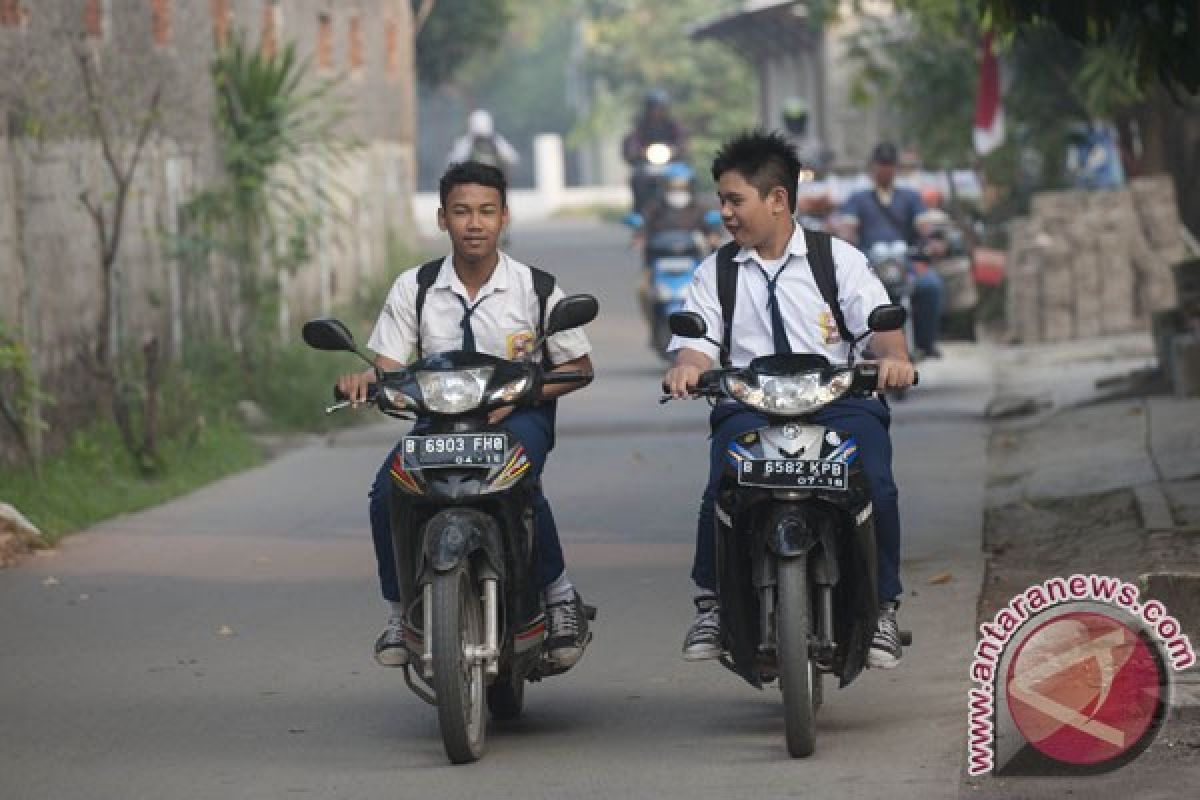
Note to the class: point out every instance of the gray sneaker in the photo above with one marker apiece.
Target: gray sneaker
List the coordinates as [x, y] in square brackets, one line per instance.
[566, 631]
[389, 647]
[703, 640]
[885, 652]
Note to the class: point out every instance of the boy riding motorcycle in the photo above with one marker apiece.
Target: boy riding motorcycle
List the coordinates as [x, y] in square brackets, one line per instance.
[781, 310]
[481, 300]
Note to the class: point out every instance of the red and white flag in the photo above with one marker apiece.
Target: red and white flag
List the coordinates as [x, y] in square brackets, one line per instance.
[989, 114]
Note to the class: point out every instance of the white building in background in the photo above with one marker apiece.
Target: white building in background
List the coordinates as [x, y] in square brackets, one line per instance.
[797, 57]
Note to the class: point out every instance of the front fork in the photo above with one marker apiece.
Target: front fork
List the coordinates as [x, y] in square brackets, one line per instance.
[489, 651]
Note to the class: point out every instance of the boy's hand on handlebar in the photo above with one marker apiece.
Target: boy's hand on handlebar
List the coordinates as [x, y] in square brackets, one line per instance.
[681, 380]
[354, 386]
[895, 373]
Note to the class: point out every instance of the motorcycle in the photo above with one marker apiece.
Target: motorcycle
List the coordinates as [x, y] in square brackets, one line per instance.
[648, 172]
[672, 257]
[892, 263]
[796, 562]
[462, 528]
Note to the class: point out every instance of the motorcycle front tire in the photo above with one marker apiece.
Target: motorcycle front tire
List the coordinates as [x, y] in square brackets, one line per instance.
[797, 672]
[457, 681]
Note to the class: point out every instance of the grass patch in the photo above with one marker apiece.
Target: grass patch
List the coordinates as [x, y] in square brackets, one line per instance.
[95, 479]
[203, 438]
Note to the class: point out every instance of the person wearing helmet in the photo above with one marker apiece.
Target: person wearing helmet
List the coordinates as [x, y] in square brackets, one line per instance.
[675, 209]
[483, 145]
[654, 128]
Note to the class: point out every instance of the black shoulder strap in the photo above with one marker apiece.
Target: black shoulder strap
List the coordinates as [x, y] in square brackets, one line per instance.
[727, 275]
[820, 258]
[908, 230]
[426, 276]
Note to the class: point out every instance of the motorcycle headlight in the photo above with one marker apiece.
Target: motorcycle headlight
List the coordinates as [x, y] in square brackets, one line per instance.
[454, 391]
[789, 394]
[510, 392]
[658, 154]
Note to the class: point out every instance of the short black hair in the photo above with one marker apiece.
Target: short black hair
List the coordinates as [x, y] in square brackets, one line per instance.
[473, 172]
[765, 160]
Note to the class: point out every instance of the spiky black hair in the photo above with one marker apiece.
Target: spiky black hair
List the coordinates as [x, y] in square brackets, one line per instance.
[764, 159]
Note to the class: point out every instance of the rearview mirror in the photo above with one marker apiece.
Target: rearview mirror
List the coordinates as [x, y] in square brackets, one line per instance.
[572, 312]
[687, 324]
[887, 318]
[328, 334]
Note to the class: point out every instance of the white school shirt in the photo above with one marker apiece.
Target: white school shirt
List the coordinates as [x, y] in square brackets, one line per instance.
[810, 325]
[505, 322]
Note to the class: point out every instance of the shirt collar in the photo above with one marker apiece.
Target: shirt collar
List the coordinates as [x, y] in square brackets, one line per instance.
[797, 246]
[448, 278]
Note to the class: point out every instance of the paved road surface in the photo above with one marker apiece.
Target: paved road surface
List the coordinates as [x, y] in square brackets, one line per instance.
[116, 680]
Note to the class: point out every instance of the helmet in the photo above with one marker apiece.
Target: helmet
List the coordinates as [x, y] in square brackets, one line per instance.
[656, 98]
[480, 123]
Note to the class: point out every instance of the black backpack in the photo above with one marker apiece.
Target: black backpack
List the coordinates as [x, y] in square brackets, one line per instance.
[543, 286]
[820, 258]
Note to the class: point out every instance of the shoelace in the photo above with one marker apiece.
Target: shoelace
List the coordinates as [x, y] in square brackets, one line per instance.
[395, 629]
[887, 634]
[708, 624]
[562, 618]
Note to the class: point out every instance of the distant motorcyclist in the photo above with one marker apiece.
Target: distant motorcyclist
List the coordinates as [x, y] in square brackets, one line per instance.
[887, 213]
[482, 144]
[676, 209]
[654, 125]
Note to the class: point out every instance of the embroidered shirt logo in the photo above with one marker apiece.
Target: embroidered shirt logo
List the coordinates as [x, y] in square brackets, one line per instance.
[520, 345]
[829, 328]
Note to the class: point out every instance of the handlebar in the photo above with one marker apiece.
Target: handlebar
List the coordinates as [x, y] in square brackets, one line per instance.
[549, 378]
[866, 382]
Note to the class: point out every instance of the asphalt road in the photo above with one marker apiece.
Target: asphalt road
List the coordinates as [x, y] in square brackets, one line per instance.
[219, 646]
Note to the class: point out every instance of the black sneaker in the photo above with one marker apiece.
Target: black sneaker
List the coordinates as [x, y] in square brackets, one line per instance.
[389, 647]
[566, 631]
[703, 640]
[885, 649]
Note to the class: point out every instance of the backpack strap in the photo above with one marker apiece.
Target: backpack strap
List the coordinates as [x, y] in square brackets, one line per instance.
[727, 280]
[820, 258]
[426, 276]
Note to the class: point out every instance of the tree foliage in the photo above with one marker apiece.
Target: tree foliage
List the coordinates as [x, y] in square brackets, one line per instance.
[635, 45]
[457, 33]
[1160, 39]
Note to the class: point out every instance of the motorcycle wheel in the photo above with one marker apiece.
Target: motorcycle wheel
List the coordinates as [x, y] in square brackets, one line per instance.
[506, 697]
[797, 673]
[457, 680]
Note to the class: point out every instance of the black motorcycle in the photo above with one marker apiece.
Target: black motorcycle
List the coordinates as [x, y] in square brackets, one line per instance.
[462, 528]
[796, 561]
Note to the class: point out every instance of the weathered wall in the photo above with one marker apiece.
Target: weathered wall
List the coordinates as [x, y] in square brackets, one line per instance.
[50, 277]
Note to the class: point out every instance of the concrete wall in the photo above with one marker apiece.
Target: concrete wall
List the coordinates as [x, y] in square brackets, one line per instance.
[49, 266]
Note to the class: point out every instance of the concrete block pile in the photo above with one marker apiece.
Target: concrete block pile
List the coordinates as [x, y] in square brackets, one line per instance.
[1088, 263]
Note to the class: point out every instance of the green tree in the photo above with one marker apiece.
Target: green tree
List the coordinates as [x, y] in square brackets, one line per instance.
[274, 125]
[634, 45]
[456, 33]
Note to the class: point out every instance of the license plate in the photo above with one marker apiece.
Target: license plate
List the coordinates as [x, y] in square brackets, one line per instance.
[782, 473]
[457, 449]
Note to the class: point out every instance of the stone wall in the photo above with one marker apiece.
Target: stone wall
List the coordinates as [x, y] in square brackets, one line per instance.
[1086, 263]
[50, 276]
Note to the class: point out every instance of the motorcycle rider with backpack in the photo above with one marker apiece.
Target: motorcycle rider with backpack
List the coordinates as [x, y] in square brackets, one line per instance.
[775, 289]
[478, 299]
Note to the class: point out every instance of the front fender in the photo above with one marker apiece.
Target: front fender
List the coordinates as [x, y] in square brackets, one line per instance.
[799, 530]
[454, 534]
